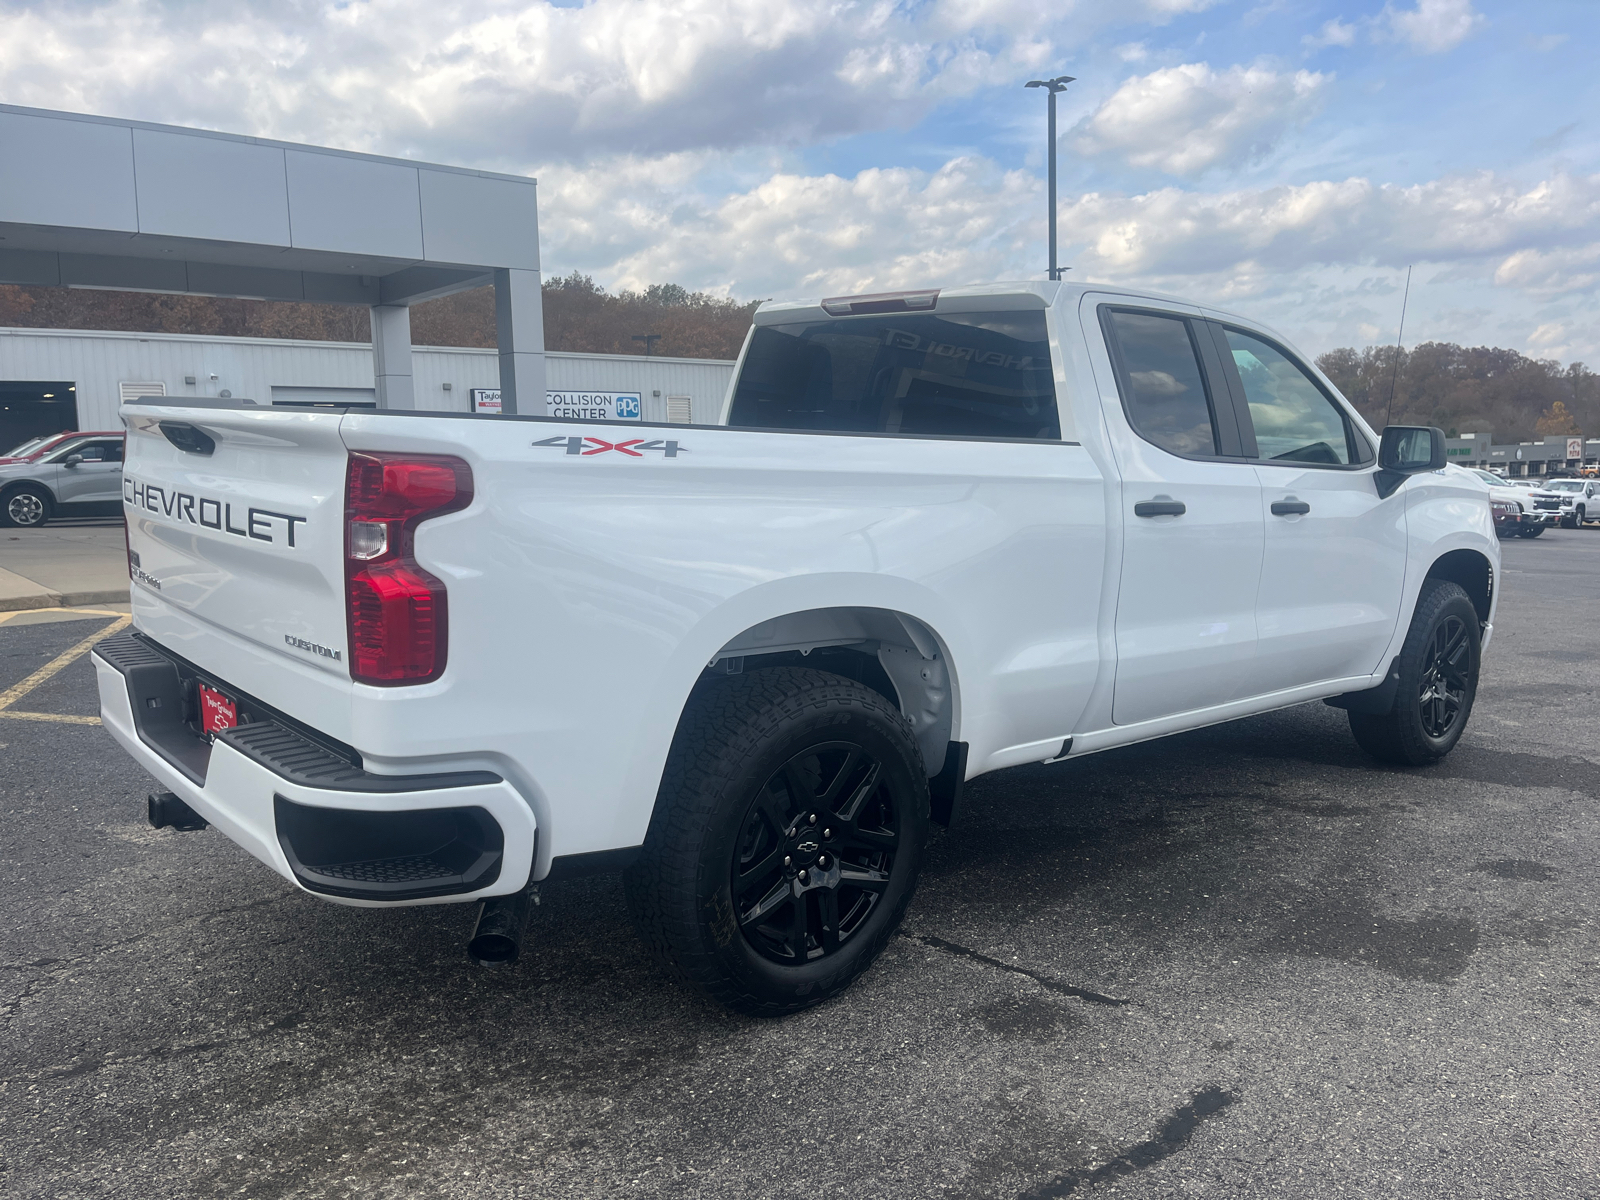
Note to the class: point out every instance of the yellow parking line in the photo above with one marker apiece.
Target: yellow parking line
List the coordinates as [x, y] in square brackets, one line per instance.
[79, 612]
[63, 718]
[65, 659]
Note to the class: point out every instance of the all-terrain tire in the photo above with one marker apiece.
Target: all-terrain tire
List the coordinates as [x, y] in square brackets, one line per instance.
[738, 738]
[26, 506]
[1438, 682]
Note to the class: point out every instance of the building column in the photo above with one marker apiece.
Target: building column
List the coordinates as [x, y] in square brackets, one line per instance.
[519, 333]
[391, 356]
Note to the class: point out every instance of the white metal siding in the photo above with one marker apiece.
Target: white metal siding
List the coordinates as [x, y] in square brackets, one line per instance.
[99, 363]
[129, 391]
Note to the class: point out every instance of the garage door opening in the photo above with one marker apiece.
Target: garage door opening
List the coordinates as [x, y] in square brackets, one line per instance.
[31, 409]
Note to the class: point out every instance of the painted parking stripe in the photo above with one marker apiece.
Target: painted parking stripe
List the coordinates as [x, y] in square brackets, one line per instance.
[61, 661]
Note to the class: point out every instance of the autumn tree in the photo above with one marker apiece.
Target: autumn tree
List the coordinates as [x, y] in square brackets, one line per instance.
[1557, 420]
[1470, 388]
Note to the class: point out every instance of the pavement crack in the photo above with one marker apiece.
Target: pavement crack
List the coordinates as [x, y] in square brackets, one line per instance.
[1173, 1136]
[1044, 981]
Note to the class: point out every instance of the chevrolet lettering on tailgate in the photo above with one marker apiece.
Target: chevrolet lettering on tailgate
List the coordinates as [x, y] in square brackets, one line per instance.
[212, 514]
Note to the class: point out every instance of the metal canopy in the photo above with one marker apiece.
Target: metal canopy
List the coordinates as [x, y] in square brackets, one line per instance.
[96, 202]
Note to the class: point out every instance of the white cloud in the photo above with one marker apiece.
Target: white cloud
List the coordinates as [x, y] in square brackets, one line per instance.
[1185, 119]
[1551, 340]
[1434, 26]
[509, 82]
[1244, 234]
[1332, 33]
[1551, 273]
[796, 234]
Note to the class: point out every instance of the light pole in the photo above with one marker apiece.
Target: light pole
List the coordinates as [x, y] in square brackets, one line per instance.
[649, 340]
[1058, 84]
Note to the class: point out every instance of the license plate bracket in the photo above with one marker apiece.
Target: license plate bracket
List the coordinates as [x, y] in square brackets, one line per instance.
[217, 711]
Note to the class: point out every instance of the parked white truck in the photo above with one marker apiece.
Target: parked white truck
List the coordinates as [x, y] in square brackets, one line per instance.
[1573, 502]
[418, 658]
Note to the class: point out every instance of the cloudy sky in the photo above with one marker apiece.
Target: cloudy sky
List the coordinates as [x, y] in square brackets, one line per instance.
[1288, 158]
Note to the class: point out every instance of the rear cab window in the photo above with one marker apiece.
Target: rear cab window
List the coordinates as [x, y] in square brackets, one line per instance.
[939, 374]
[1164, 392]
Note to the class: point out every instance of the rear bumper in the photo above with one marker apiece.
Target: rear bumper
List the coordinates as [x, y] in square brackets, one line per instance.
[321, 822]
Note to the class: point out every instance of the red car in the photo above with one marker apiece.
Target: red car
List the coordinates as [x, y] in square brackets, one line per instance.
[61, 474]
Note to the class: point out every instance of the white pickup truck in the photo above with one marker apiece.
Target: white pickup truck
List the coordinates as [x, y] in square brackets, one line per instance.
[417, 658]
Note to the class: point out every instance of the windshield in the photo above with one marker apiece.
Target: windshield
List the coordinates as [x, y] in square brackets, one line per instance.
[983, 374]
[27, 447]
[1489, 477]
[1565, 485]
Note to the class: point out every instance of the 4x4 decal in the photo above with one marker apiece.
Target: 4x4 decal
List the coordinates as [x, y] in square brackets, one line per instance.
[633, 447]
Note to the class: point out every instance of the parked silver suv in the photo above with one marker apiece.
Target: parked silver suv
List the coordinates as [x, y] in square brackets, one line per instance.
[63, 475]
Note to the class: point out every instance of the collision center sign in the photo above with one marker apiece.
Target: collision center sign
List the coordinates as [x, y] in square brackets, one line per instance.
[593, 406]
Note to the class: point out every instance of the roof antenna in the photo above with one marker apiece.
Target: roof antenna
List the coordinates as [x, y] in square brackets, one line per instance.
[1395, 377]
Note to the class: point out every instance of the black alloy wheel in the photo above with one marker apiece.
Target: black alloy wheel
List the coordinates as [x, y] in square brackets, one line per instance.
[1438, 681]
[1443, 693]
[786, 840]
[815, 853]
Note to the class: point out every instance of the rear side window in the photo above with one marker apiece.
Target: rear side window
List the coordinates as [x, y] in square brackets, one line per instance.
[1163, 389]
[954, 374]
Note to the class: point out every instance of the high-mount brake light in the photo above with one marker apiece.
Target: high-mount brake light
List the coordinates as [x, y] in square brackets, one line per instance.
[881, 302]
[397, 612]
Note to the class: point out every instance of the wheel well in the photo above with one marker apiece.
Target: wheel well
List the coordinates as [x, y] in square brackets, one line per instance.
[28, 485]
[894, 654]
[1472, 571]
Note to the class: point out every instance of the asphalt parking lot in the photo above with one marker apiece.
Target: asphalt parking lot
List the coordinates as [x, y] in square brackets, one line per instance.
[1241, 962]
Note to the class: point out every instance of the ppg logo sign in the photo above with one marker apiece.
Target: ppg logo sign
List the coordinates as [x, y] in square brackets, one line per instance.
[593, 406]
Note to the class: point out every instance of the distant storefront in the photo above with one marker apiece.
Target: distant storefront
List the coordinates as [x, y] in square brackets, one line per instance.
[55, 379]
[1549, 456]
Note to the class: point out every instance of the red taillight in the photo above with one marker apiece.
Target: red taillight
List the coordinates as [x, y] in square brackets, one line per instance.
[396, 610]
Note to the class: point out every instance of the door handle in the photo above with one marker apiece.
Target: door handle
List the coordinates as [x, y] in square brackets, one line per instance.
[1160, 508]
[1290, 508]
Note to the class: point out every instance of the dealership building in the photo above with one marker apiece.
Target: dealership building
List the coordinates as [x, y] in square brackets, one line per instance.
[55, 379]
[98, 202]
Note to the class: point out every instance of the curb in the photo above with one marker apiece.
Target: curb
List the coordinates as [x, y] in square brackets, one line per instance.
[48, 599]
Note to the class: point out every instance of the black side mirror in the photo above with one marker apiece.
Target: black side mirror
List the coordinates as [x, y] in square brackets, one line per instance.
[73, 460]
[1407, 450]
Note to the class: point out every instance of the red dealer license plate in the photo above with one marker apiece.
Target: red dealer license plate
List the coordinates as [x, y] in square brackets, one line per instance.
[216, 710]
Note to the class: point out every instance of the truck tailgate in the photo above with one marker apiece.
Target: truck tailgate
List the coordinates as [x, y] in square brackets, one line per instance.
[235, 528]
